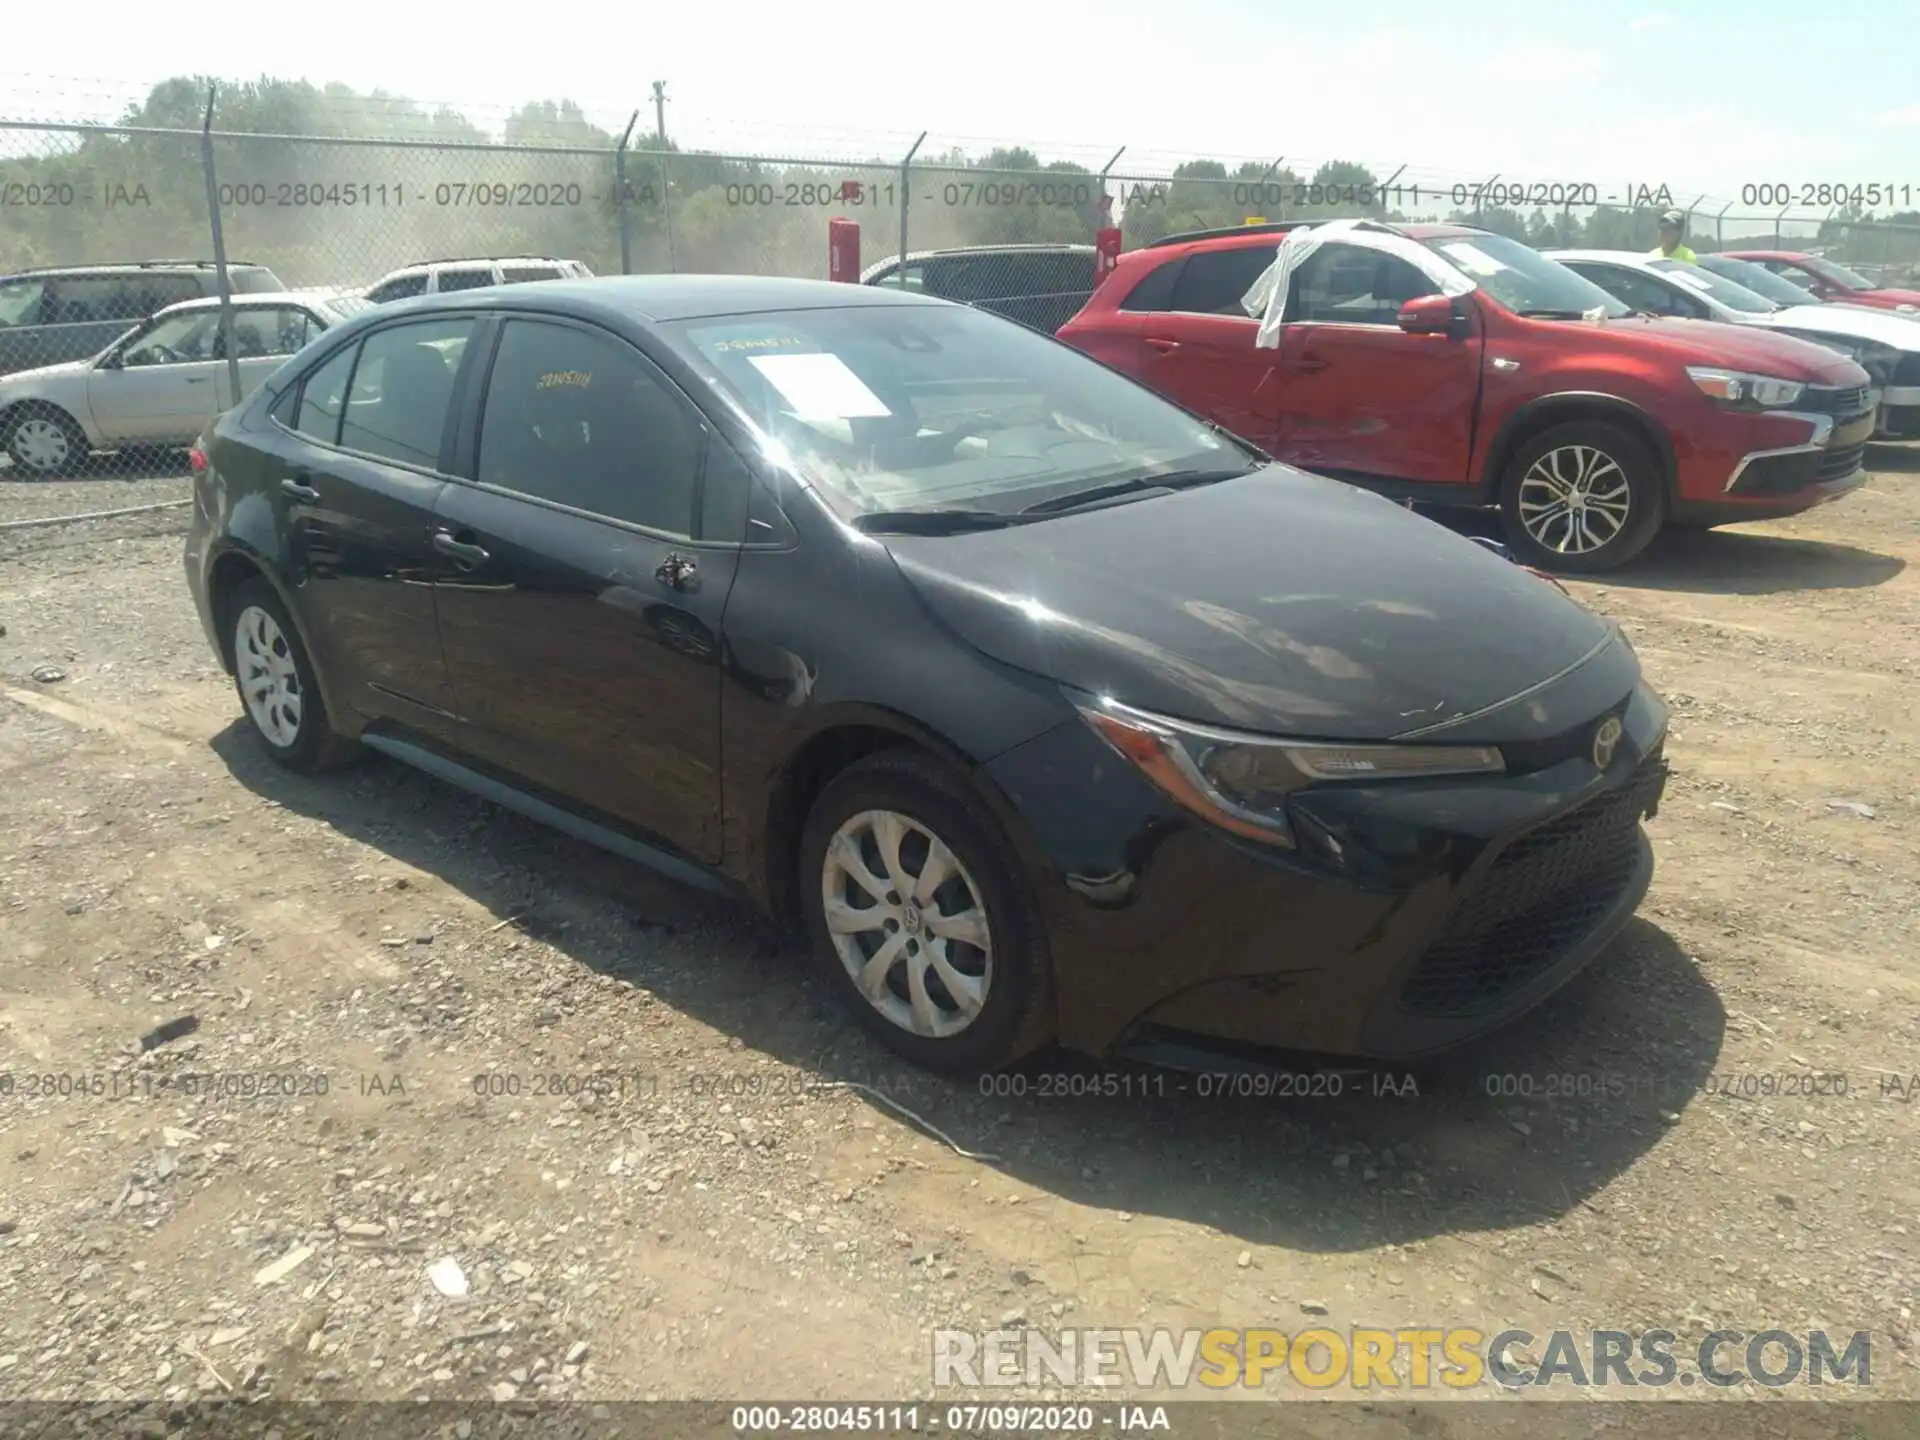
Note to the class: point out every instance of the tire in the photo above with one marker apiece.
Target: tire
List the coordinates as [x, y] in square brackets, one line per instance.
[1013, 975]
[43, 441]
[1615, 475]
[275, 682]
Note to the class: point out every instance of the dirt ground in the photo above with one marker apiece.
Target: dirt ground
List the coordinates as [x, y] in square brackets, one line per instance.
[387, 1069]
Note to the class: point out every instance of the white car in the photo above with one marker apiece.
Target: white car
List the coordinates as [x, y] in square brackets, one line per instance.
[161, 382]
[1886, 344]
[436, 277]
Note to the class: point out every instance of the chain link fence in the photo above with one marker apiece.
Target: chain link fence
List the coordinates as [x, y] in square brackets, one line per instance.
[126, 221]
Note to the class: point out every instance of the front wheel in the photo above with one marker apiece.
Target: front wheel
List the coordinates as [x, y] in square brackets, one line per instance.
[45, 442]
[920, 917]
[1582, 497]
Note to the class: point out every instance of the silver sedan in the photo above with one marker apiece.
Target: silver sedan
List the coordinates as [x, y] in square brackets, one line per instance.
[161, 382]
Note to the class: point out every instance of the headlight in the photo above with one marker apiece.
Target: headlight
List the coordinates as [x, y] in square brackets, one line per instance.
[1762, 392]
[1240, 782]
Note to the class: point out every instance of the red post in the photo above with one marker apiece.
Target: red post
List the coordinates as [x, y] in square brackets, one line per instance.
[1106, 244]
[843, 250]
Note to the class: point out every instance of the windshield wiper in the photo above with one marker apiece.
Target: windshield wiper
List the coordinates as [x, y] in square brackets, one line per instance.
[931, 522]
[1122, 489]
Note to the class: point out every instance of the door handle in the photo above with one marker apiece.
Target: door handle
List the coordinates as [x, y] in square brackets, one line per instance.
[678, 572]
[199, 379]
[1164, 347]
[465, 554]
[299, 490]
[1309, 364]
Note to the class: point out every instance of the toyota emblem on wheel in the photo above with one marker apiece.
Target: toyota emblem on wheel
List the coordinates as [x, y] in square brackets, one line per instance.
[1605, 736]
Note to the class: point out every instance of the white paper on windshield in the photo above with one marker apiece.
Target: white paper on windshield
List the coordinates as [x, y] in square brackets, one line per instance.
[819, 387]
[1472, 259]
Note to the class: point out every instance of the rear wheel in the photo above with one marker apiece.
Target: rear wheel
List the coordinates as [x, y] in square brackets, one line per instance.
[44, 441]
[276, 684]
[1582, 497]
[920, 918]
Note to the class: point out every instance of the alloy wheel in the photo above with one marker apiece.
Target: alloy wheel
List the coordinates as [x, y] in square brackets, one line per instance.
[1575, 500]
[269, 680]
[41, 445]
[908, 923]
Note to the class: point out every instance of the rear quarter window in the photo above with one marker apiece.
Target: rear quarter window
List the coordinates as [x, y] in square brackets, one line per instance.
[1154, 290]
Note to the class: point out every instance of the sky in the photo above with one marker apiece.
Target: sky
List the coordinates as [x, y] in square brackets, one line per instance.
[1703, 96]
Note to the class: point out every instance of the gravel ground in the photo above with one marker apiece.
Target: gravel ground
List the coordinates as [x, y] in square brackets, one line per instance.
[437, 1048]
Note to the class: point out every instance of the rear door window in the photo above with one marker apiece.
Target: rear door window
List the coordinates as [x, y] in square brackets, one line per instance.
[402, 386]
[84, 299]
[466, 278]
[323, 398]
[521, 274]
[1214, 281]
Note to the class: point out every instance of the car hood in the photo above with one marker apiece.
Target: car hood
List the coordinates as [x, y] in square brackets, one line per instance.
[1894, 297]
[1280, 603]
[47, 372]
[1747, 347]
[1856, 322]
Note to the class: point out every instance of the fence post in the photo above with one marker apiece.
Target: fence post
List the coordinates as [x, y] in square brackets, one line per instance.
[1720, 227]
[1105, 203]
[906, 187]
[219, 251]
[666, 180]
[624, 195]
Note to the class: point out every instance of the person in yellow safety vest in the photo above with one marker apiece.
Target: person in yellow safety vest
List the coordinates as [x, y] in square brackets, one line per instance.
[1673, 225]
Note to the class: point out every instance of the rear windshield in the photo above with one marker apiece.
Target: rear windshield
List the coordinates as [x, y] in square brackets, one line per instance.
[253, 280]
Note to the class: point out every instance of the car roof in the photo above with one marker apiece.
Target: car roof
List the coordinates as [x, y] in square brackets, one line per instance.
[481, 260]
[128, 267]
[663, 297]
[257, 300]
[1619, 257]
[1273, 231]
[1769, 255]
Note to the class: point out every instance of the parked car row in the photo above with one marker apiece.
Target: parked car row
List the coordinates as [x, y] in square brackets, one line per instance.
[1453, 366]
[63, 396]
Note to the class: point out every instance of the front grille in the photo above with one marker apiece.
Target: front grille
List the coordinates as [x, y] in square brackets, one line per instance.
[1840, 463]
[1850, 400]
[1907, 372]
[1542, 894]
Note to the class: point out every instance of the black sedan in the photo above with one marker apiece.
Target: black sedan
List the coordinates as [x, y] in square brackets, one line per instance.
[1055, 712]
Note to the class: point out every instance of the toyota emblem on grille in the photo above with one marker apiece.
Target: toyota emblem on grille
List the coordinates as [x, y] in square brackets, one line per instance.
[1605, 737]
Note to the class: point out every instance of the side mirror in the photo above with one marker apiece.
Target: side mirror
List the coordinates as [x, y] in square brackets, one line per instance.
[1431, 315]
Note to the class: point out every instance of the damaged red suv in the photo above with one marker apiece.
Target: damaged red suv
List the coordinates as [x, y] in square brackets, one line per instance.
[1455, 366]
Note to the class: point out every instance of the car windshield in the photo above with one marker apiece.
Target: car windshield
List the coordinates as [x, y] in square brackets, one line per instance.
[1836, 274]
[1758, 279]
[20, 301]
[1524, 280]
[891, 408]
[1729, 293]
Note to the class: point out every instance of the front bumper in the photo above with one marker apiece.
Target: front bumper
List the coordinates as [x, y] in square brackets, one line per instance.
[1410, 917]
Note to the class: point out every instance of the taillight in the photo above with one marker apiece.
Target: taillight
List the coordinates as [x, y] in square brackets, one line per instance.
[197, 458]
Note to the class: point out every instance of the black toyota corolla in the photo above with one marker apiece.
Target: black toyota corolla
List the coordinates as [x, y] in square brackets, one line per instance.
[1054, 712]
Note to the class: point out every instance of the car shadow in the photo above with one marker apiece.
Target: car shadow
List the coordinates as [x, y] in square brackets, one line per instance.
[1720, 562]
[1893, 459]
[1735, 562]
[1518, 1129]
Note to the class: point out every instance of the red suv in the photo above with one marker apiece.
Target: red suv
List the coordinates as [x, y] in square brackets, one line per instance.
[1451, 365]
[1829, 281]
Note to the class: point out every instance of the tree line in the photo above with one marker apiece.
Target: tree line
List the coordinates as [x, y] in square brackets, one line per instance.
[342, 205]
